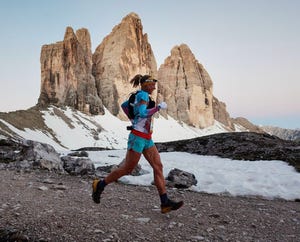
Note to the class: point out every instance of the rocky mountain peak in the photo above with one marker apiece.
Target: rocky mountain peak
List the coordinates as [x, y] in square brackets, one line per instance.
[84, 38]
[122, 54]
[186, 87]
[131, 15]
[69, 34]
[66, 74]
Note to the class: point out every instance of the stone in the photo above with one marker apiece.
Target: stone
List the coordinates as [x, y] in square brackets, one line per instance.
[78, 165]
[143, 220]
[180, 179]
[43, 155]
[43, 188]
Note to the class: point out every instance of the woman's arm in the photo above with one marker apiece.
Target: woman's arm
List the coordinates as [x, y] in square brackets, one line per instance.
[143, 111]
[125, 108]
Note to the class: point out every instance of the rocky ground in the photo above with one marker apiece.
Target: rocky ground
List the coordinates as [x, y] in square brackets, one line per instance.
[46, 206]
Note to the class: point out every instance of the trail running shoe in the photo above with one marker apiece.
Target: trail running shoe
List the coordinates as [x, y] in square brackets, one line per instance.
[170, 205]
[96, 191]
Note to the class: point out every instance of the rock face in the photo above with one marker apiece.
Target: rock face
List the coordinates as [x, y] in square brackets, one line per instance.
[66, 73]
[247, 125]
[221, 115]
[124, 53]
[187, 88]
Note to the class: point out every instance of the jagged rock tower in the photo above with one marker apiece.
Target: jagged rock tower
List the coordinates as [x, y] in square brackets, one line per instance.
[66, 73]
[187, 88]
[124, 53]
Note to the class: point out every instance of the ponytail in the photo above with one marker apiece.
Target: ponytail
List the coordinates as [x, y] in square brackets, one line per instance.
[136, 80]
[139, 79]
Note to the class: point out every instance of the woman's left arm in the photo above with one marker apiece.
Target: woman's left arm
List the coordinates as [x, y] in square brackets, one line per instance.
[144, 112]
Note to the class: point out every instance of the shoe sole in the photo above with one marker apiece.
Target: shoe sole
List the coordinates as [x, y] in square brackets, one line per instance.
[169, 209]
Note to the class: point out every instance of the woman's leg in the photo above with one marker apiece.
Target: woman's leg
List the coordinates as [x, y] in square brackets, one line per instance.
[152, 156]
[131, 160]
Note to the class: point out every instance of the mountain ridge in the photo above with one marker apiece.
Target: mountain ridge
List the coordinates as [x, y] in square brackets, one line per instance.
[283, 133]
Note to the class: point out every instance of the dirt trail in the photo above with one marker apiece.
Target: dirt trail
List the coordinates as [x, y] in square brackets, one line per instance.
[45, 206]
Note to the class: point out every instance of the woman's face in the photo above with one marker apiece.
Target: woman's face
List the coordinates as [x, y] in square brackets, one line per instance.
[149, 87]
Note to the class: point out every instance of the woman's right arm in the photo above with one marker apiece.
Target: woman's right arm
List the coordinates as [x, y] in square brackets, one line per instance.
[125, 108]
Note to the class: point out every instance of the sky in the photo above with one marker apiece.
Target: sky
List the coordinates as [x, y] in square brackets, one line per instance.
[250, 49]
[214, 175]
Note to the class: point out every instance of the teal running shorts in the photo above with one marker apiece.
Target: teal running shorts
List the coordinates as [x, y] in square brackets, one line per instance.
[138, 144]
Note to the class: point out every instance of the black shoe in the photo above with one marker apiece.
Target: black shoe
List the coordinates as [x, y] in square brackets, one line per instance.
[170, 205]
[96, 191]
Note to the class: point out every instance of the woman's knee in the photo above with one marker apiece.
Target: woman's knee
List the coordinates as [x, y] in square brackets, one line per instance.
[125, 170]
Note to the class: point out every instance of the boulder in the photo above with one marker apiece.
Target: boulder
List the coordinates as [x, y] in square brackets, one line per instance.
[180, 179]
[78, 165]
[28, 154]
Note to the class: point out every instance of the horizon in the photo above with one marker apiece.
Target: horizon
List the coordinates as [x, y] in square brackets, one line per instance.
[250, 50]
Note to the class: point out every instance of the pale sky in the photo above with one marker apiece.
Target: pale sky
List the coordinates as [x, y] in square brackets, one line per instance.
[251, 49]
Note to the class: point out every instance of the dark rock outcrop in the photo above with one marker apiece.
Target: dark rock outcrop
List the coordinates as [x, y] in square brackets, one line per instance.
[240, 146]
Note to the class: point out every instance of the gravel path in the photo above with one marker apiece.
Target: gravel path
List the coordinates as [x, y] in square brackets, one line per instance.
[45, 206]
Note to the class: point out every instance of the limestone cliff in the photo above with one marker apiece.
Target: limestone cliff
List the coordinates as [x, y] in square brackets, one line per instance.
[66, 73]
[124, 53]
[221, 114]
[187, 88]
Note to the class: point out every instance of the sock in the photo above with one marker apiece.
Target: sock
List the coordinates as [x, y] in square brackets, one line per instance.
[163, 198]
[101, 184]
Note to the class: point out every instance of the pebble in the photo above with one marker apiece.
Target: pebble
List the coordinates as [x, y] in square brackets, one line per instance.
[143, 220]
[43, 188]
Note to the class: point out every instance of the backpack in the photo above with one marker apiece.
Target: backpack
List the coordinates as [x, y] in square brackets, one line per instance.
[131, 101]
